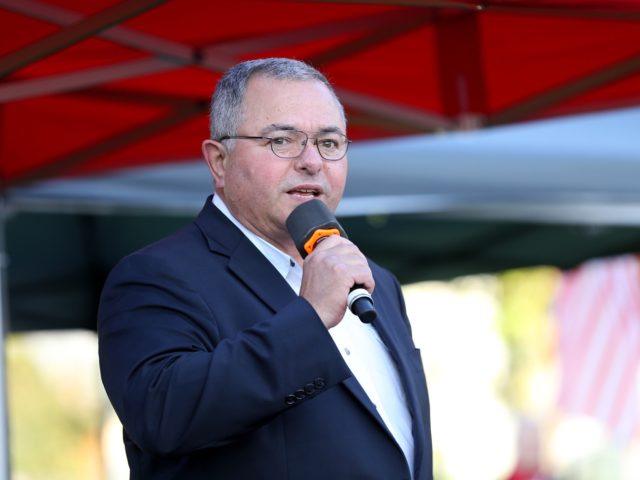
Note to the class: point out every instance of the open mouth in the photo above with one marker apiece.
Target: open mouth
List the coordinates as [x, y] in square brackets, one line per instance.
[305, 192]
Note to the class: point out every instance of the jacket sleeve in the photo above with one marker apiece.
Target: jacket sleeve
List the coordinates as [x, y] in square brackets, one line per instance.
[179, 384]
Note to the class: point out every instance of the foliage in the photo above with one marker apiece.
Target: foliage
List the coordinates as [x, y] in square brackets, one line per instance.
[51, 437]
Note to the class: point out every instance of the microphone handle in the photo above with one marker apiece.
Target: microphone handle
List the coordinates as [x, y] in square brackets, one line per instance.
[361, 304]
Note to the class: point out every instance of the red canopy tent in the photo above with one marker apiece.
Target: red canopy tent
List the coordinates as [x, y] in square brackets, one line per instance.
[90, 86]
[87, 87]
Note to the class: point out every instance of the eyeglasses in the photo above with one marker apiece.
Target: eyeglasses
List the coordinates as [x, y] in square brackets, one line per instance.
[291, 143]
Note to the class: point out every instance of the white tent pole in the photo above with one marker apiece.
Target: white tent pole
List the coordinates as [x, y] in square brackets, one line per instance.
[4, 320]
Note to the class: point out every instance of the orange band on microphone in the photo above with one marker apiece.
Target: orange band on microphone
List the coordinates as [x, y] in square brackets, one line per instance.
[317, 236]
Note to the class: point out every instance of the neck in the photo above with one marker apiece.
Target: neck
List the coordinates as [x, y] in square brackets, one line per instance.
[281, 240]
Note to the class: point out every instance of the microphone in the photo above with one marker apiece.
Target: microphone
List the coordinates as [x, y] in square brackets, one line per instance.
[308, 224]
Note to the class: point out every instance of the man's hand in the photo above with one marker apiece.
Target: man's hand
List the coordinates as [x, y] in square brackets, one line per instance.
[329, 272]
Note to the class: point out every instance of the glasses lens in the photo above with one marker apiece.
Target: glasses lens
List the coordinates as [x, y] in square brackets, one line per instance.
[291, 143]
[288, 143]
[332, 146]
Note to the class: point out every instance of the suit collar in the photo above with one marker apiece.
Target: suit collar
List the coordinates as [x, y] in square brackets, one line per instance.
[245, 261]
[221, 235]
[280, 260]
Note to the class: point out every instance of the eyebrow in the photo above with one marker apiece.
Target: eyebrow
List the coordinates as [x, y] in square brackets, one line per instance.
[277, 126]
[283, 126]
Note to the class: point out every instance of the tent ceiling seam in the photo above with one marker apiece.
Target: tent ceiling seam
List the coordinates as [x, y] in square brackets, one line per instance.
[74, 33]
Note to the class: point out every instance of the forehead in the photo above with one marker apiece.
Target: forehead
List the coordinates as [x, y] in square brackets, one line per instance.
[302, 104]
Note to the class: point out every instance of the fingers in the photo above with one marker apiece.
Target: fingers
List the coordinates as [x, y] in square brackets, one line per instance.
[329, 272]
[345, 261]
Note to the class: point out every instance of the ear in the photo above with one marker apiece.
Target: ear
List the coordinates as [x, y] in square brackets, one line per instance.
[215, 155]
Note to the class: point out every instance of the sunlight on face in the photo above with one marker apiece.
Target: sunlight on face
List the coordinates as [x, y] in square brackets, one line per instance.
[260, 188]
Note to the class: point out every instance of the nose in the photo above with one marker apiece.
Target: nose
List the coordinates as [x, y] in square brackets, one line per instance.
[309, 160]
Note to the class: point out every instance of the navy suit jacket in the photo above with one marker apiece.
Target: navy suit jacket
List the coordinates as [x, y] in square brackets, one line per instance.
[218, 370]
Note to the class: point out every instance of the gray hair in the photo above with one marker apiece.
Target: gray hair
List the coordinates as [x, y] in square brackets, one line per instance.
[226, 103]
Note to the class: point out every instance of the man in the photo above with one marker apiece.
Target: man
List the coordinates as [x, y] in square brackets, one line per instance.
[228, 356]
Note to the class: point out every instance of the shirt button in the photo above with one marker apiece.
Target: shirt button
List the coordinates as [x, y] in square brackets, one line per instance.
[347, 351]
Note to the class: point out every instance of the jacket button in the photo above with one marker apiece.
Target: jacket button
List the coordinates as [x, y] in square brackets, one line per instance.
[309, 388]
[319, 383]
[300, 394]
[290, 399]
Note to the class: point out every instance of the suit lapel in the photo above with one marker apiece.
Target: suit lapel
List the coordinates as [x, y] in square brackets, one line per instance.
[393, 345]
[260, 276]
[406, 370]
[389, 336]
[358, 392]
[245, 260]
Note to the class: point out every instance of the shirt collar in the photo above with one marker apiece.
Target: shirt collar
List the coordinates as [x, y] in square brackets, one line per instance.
[282, 262]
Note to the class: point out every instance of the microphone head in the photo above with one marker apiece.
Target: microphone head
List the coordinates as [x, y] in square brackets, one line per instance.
[307, 220]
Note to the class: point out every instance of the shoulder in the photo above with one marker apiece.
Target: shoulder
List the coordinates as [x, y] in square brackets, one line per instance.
[209, 232]
[170, 247]
[156, 262]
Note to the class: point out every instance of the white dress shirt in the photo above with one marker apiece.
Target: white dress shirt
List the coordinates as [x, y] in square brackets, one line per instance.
[360, 345]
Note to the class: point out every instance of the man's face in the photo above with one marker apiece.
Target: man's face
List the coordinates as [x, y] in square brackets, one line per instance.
[262, 189]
